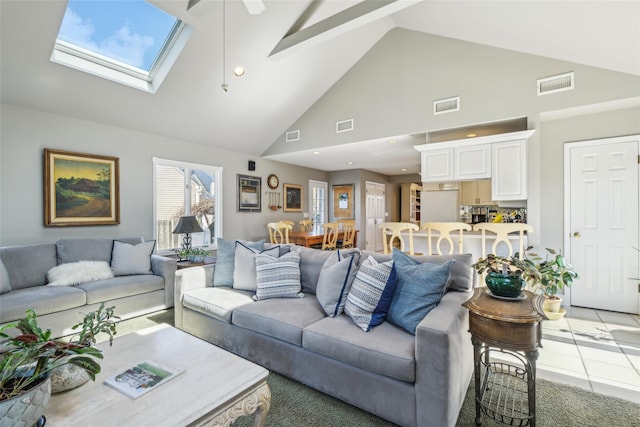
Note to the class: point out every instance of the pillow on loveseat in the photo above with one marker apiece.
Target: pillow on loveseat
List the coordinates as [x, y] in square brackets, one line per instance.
[75, 273]
[278, 277]
[419, 289]
[128, 259]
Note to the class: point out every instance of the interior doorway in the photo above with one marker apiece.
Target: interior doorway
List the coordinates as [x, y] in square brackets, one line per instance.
[601, 222]
[375, 213]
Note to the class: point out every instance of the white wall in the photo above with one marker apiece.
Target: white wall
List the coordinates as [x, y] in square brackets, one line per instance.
[25, 133]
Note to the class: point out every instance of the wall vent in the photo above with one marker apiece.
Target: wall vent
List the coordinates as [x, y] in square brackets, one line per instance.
[344, 126]
[292, 135]
[555, 84]
[448, 105]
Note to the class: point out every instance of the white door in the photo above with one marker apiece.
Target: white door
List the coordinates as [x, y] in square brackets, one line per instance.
[375, 215]
[601, 222]
[318, 201]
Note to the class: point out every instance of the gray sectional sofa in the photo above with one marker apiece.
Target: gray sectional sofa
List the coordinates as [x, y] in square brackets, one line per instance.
[143, 282]
[411, 380]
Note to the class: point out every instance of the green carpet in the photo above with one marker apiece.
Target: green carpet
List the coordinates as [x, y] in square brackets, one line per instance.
[296, 405]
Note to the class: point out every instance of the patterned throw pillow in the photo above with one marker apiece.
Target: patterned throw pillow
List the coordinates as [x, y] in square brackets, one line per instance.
[419, 289]
[367, 292]
[244, 274]
[278, 277]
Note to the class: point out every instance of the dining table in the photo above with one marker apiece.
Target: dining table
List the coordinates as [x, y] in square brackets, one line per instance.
[314, 237]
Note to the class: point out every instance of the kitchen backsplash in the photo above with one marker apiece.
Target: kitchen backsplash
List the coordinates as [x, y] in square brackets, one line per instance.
[475, 214]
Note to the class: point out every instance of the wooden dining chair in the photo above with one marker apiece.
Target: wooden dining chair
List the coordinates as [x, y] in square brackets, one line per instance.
[330, 236]
[501, 231]
[291, 223]
[348, 235]
[444, 230]
[279, 232]
[306, 225]
[391, 231]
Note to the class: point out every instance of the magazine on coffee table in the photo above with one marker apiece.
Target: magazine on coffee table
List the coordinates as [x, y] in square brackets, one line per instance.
[142, 378]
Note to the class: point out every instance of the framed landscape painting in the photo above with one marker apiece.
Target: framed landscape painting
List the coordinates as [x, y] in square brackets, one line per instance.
[249, 188]
[80, 189]
[292, 198]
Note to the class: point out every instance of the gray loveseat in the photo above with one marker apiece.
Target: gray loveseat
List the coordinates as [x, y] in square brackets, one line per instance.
[410, 380]
[23, 273]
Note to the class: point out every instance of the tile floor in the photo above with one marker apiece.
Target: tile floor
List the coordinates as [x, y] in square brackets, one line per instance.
[595, 350]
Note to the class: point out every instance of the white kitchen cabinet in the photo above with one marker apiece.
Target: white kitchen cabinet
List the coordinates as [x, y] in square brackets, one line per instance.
[509, 170]
[437, 165]
[476, 192]
[472, 162]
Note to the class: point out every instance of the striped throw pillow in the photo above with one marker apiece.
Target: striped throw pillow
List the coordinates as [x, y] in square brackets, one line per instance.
[278, 277]
[367, 293]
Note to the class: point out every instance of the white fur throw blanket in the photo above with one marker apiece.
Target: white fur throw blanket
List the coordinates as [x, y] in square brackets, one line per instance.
[74, 273]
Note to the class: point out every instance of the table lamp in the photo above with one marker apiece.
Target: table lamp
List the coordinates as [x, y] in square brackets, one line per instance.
[187, 225]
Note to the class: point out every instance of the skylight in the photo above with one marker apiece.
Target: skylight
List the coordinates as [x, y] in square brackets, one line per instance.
[130, 42]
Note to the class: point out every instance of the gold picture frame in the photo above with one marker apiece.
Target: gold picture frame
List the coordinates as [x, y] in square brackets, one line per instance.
[80, 189]
[343, 202]
[292, 198]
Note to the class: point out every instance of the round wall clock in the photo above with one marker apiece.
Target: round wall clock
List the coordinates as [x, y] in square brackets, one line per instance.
[273, 181]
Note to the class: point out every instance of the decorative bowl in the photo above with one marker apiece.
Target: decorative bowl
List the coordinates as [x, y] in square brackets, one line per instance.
[504, 285]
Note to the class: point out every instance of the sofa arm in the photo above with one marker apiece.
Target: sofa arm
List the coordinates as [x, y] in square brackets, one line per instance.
[188, 279]
[444, 361]
[165, 267]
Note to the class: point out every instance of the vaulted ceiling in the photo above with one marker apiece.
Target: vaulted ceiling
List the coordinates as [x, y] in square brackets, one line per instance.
[322, 41]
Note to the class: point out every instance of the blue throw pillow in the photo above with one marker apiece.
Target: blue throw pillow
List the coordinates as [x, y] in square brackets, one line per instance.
[225, 264]
[419, 289]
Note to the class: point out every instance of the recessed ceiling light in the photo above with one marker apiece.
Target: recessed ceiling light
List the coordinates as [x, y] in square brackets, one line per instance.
[472, 135]
[315, 153]
[392, 141]
[349, 162]
[239, 71]
[403, 169]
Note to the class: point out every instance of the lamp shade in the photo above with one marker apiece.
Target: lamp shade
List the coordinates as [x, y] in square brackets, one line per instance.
[187, 224]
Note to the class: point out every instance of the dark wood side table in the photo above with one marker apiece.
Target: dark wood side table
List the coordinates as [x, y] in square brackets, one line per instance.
[505, 391]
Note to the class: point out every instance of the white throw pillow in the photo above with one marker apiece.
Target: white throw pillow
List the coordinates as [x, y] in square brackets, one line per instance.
[244, 274]
[75, 273]
[128, 259]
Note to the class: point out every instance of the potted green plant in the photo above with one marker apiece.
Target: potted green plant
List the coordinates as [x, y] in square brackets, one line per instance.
[547, 276]
[28, 359]
[192, 254]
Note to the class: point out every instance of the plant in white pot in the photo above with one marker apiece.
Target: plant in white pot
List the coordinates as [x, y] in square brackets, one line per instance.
[27, 361]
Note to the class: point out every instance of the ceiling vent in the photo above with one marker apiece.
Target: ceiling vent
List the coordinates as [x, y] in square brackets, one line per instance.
[448, 105]
[554, 84]
[292, 135]
[344, 126]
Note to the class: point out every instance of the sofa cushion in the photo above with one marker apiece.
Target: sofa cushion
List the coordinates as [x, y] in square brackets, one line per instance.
[279, 318]
[459, 277]
[216, 302]
[74, 273]
[278, 277]
[366, 295]
[5, 285]
[74, 250]
[419, 289]
[225, 263]
[386, 349]
[128, 259]
[28, 265]
[43, 299]
[335, 280]
[244, 273]
[121, 286]
[311, 262]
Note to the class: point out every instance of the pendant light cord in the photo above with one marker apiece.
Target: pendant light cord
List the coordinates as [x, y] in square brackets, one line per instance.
[224, 86]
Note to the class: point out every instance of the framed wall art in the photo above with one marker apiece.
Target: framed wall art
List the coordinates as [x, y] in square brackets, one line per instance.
[80, 189]
[343, 201]
[249, 190]
[292, 198]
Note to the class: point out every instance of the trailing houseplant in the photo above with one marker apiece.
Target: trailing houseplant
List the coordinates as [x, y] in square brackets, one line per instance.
[192, 254]
[31, 356]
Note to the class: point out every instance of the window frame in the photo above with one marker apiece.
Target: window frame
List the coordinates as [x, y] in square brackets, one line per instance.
[216, 172]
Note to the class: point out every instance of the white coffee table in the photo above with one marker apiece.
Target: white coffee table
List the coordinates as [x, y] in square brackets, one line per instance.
[216, 387]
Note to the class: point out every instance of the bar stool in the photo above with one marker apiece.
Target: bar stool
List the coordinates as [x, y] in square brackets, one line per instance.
[501, 231]
[396, 228]
[444, 229]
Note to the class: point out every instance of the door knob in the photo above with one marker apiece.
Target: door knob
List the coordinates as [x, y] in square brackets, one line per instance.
[576, 234]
